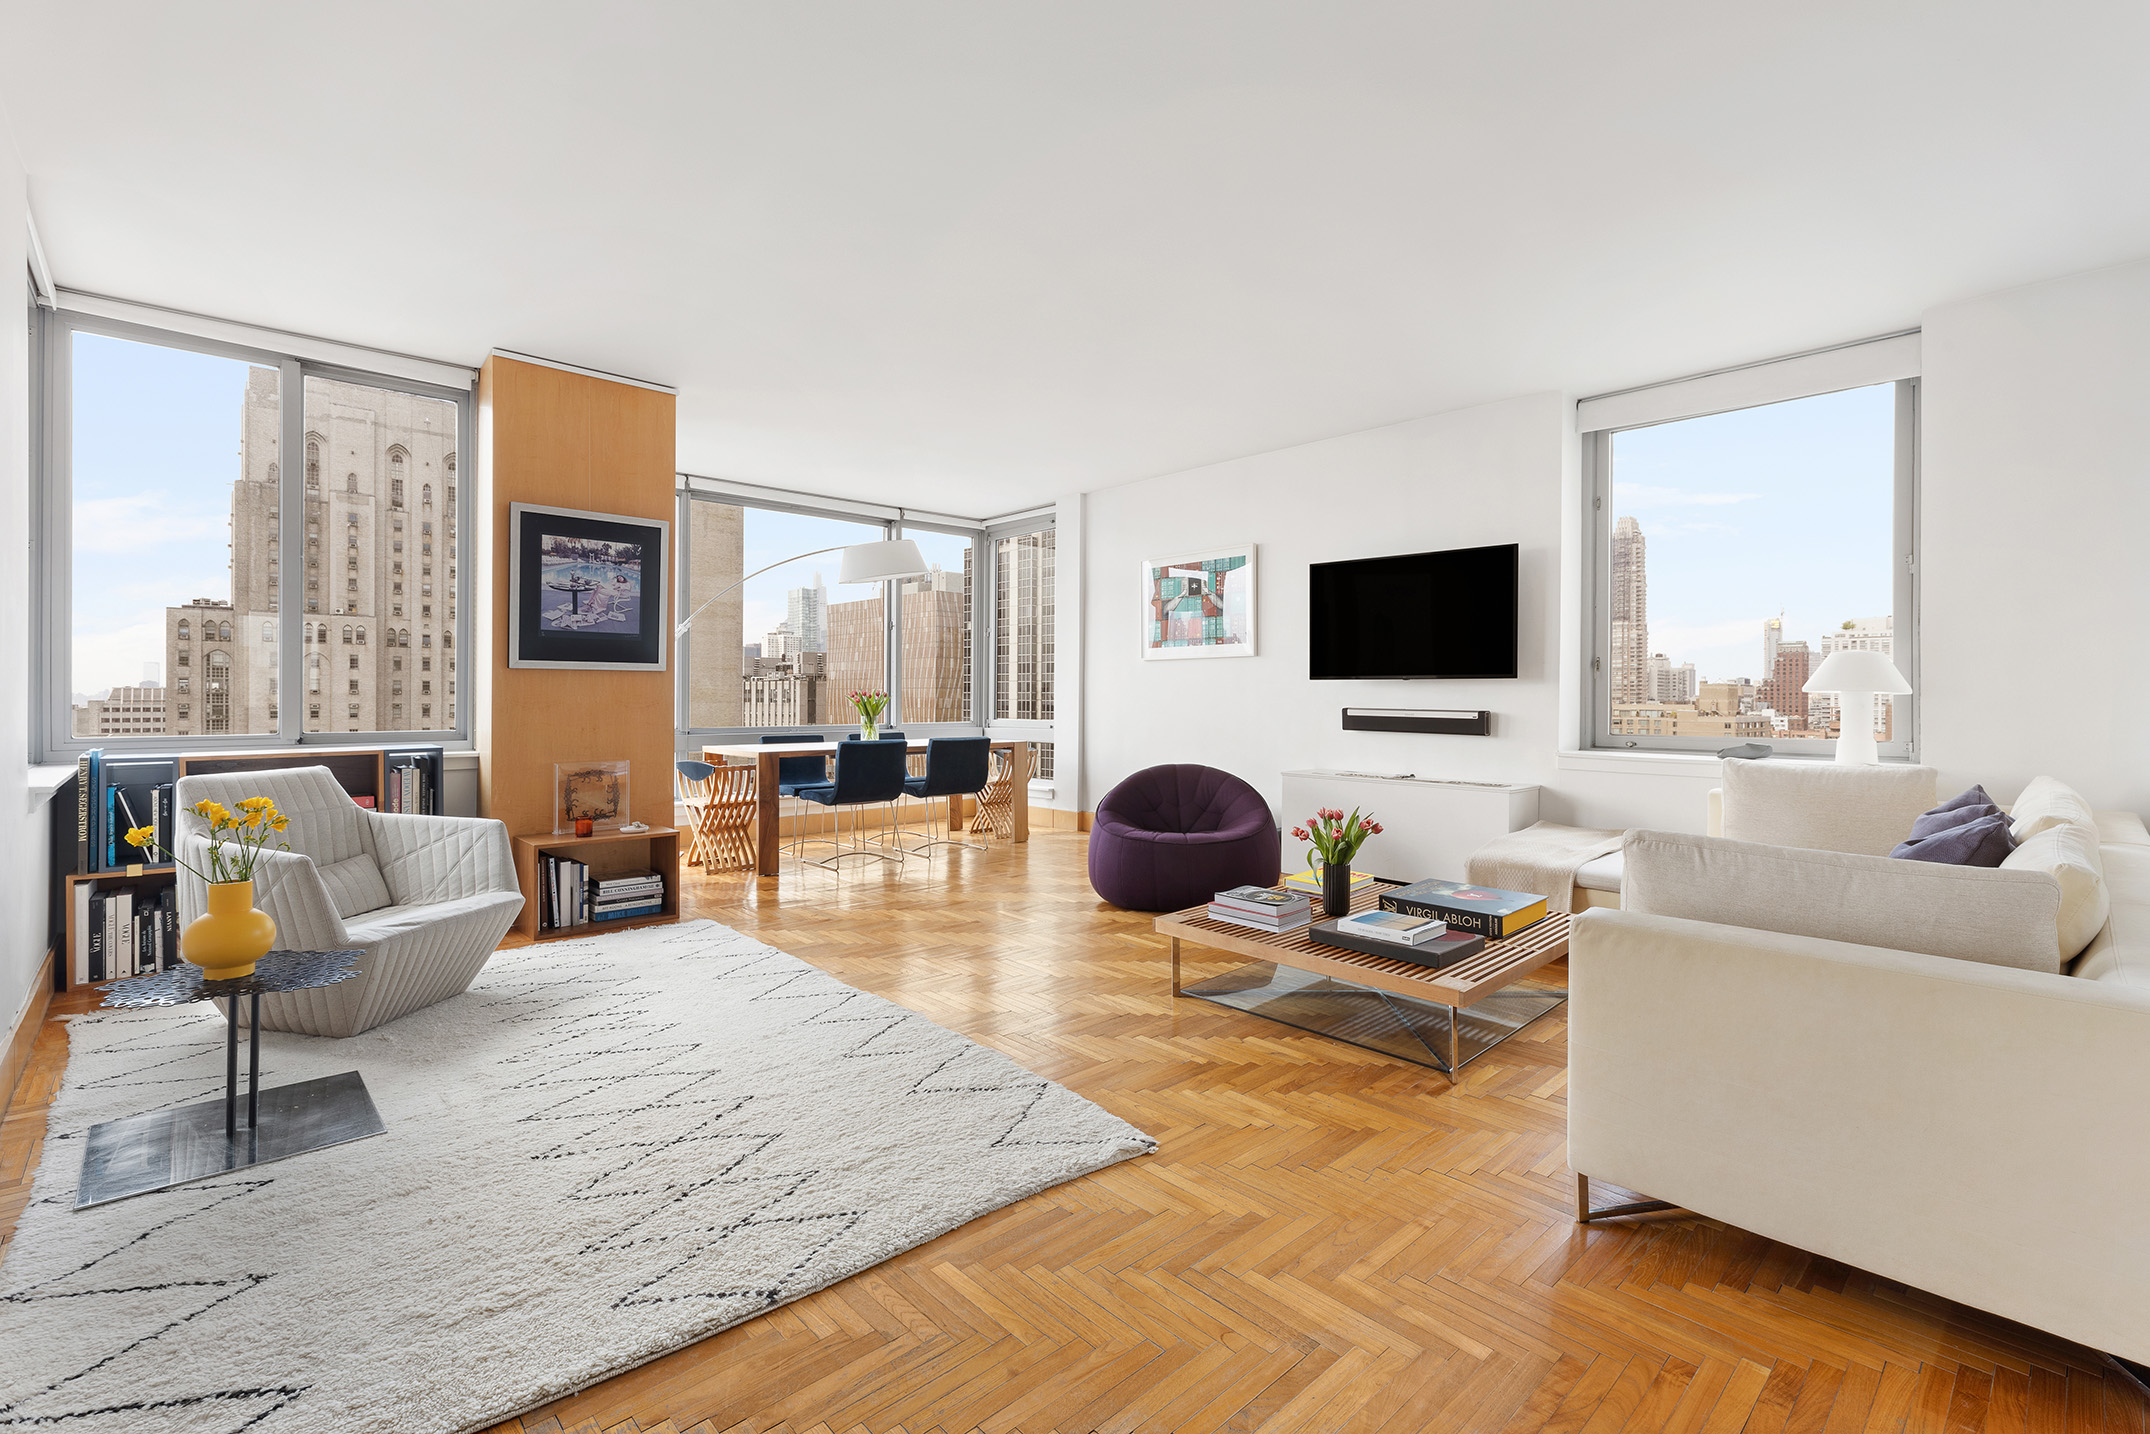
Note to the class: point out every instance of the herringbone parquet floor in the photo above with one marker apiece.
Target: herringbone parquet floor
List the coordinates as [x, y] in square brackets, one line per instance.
[1325, 1241]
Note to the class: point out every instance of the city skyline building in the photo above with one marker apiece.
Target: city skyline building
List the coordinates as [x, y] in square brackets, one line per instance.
[378, 586]
[806, 613]
[1630, 613]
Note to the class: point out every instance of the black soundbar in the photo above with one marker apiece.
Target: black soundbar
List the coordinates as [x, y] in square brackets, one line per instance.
[1396, 719]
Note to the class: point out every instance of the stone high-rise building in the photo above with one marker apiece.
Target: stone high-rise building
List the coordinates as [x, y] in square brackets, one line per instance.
[717, 547]
[1630, 614]
[377, 581]
[1669, 683]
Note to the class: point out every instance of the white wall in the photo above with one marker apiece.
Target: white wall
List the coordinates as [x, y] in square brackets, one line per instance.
[2035, 518]
[23, 830]
[1492, 474]
[2035, 511]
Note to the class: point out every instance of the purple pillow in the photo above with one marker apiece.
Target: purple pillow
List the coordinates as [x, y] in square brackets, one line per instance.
[1982, 841]
[1941, 819]
[1975, 797]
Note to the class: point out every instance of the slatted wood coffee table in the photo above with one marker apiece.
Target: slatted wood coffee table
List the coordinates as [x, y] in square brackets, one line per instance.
[1443, 1018]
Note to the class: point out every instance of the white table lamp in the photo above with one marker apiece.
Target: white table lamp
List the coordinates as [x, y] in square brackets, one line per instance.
[1856, 677]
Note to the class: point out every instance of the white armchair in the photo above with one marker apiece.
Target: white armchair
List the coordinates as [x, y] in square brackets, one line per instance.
[426, 898]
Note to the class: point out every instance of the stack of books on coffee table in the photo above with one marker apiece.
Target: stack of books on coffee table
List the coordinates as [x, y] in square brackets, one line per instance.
[1262, 908]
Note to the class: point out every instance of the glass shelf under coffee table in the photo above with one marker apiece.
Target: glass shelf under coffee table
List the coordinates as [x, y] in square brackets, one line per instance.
[1442, 1017]
[162, 1148]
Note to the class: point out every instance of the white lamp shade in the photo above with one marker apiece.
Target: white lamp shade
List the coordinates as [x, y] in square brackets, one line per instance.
[1856, 671]
[884, 562]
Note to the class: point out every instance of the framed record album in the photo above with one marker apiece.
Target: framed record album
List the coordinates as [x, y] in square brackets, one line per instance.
[586, 590]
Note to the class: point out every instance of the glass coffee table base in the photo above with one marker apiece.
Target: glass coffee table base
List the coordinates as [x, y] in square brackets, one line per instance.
[1425, 1033]
[162, 1148]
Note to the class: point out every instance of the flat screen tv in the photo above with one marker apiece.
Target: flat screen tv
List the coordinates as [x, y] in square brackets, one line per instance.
[1445, 614]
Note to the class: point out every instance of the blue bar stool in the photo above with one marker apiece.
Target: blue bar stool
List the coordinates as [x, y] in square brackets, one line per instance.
[867, 774]
[955, 767]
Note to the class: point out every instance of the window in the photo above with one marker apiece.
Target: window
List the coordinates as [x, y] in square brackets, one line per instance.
[934, 614]
[354, 662]
[165, 458]
[415, 434]
[1737, 548]
[1024, 572]
[784, 649]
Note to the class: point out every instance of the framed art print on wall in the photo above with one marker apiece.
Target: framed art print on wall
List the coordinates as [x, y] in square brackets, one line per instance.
[586, 590]
[1199, 605]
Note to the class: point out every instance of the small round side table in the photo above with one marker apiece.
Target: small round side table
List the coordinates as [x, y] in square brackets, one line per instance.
[162, 1148]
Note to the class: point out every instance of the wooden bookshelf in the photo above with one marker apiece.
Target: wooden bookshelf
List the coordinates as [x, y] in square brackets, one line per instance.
[360, 771]
[605, 854]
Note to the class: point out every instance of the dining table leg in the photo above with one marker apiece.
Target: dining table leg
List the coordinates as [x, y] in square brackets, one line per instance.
[766, 816]
[1019, 792]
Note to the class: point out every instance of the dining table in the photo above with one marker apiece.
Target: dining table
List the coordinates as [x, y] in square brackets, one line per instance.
[767, 811]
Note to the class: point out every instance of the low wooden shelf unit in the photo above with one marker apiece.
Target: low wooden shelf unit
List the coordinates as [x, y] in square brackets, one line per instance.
[606, 854]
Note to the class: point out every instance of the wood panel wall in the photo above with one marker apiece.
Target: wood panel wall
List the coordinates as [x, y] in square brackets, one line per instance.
[567, 440]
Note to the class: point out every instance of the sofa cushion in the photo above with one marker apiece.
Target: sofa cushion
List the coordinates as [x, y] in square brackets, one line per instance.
[1824, 806]
[355, 886]
[2121, 952]
[2120, 829]
[1994, 915]
[1979, 839]
[2046, 803]
[2069, 853]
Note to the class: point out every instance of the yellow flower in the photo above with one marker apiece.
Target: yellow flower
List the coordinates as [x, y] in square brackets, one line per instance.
[256, 804]
[141, 836]
[256, 817]
[214, 813]
[279, 822]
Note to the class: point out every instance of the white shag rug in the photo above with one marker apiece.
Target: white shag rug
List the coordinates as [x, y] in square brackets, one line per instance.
[607, 1149]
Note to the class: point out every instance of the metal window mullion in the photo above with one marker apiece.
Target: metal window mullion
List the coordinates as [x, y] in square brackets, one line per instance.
[56, 527]
[1905, 590]
[891, 640]
[290, 554]
[683, 569]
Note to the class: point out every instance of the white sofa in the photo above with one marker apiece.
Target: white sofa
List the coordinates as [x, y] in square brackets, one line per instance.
[1847, 1053]
[426, 899]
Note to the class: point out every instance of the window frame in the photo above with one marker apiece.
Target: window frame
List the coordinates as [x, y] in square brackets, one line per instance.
[985, 643]
[1863, 365]
[52, 498]
[893, 523]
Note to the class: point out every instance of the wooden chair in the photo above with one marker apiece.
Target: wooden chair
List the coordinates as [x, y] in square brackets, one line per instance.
[720, 808]
[996, 801]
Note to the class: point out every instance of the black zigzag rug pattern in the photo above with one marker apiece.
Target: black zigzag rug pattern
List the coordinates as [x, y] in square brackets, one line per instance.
[607, 1149]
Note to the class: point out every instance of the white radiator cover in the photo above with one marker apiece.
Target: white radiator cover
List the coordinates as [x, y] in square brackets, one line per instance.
[1428, 828]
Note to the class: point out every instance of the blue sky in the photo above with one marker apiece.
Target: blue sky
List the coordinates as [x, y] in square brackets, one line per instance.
[1785, 507]
[156, 448]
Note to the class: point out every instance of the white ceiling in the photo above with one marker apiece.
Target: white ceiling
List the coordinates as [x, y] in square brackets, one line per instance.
[973, 256]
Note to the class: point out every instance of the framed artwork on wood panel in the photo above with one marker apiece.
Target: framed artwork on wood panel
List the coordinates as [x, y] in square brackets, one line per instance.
[586, 590]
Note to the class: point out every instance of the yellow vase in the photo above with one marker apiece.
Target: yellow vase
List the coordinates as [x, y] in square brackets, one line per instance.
[232, 937]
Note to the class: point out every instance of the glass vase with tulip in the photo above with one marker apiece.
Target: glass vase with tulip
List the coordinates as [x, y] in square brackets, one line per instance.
[871, 707]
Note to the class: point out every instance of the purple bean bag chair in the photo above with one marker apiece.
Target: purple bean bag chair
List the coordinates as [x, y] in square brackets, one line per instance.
[1172, 837]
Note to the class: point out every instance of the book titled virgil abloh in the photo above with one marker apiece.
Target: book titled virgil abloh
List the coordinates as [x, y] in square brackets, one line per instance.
[1475, 910]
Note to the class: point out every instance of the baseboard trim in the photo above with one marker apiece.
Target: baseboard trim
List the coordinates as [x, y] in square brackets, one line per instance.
[16, 1059]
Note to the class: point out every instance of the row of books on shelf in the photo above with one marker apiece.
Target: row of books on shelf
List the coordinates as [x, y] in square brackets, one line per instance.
[410, 792]
[127, 932]
[572, 897]
[115, 792]
[1431, 923]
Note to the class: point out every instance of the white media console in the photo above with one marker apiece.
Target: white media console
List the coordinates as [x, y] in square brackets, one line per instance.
[1429, 828]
